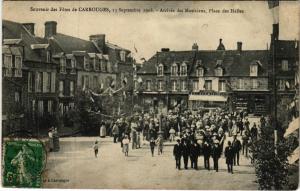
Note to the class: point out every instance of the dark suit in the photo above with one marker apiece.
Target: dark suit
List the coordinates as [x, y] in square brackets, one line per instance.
[216, 154]
[195, 151]
[206, 153]
[185, 154]
[229, 154]
[236, 144]
[177, 152]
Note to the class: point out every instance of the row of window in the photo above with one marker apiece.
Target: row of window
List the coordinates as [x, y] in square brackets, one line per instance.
[254, 84]
[12, 65]
[66, 89]
[103, 66]
[41, 82]
[218, 71]
[174, 70]
[65, 107]
[42, 107]
[284, 84]
[91, 82]
[196, 86]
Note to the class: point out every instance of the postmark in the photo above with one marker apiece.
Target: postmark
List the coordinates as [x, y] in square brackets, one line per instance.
[23, 163]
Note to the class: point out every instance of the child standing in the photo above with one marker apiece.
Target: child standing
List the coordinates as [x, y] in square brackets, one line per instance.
[125, 142]
[95, 147]
[152, 145]
[160, 143]
[172, 134]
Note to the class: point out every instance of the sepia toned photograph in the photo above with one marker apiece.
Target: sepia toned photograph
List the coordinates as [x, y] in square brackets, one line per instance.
[160, 95]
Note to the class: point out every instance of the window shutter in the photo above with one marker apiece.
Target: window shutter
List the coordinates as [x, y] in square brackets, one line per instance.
[44, 82]
[67, 88]
[37, 82]
[29, 81]
[53, 82]
[33, 81]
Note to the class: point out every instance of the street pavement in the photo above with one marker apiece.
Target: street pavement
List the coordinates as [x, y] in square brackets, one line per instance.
[75, 166]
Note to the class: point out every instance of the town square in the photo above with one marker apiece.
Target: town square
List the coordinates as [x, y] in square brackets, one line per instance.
[150, 95]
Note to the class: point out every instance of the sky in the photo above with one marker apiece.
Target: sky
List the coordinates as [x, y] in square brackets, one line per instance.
[149, 32]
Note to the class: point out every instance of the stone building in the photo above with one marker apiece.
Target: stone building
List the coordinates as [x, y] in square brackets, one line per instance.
[30, 73]
[42, 74]
[235, 79]
[284, 56]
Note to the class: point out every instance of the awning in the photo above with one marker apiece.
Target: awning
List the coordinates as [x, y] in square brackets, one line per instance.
[218, 98]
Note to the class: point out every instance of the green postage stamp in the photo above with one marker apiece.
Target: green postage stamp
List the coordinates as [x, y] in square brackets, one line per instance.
[23, 163]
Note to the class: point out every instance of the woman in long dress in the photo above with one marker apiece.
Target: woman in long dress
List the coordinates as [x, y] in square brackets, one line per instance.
[102, 130]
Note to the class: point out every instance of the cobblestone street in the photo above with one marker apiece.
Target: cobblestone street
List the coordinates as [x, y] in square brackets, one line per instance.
[75, 166]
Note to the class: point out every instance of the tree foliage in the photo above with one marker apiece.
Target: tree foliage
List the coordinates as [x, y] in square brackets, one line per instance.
[270, 161]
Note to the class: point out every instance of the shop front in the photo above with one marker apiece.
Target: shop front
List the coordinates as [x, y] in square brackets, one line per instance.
[207, 101]
[256, 103]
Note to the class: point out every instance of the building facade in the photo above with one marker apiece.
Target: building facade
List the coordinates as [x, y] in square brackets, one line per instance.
[42, 74]
[234, 79]
[27, 64]
[284, 59]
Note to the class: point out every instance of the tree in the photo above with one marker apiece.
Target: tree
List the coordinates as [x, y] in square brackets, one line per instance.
[81, 115]
[271, 167]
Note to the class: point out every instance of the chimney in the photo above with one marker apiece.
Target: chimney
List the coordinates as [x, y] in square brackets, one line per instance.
[165, 49]
[195, 47]
[50, 28]
[275, 31]
[221, 45]
[99, 40]
[29, 27]
[239, 46]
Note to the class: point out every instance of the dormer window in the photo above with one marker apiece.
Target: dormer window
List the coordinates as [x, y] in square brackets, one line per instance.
[219, 71]
[123, 56]
[253, 70]
[183, 69]
[160, 70]
[63, 65]
[200, 72]
[174, 69]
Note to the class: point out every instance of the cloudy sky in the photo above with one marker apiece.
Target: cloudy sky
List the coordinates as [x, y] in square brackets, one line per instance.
[149, 32]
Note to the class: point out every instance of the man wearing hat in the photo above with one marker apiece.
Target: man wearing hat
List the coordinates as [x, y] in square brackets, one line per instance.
[185, 152]
[195, 152]
[236, 144]
[216, 154]
[229, 154]
[206, 153]
[177, 152]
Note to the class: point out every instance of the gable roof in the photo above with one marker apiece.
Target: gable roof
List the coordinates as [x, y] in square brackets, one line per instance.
[68, 44]
[13, 30]
[234, 63]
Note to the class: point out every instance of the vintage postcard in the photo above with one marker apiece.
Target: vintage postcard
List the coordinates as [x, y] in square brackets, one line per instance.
[181, 95]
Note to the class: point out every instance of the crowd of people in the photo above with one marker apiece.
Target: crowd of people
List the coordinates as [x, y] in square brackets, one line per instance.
[201, 133]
